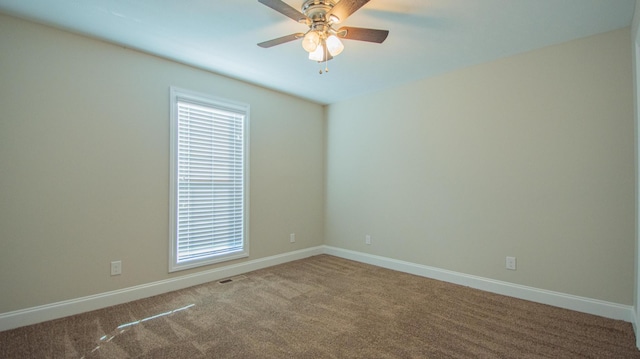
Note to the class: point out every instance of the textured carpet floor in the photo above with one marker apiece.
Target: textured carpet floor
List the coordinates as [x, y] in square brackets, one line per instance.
[325, 307]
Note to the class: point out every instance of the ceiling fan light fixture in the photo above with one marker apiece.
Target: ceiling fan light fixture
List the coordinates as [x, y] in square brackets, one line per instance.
[311, 41]
[334, 45]
[318, 54]
[322, 41]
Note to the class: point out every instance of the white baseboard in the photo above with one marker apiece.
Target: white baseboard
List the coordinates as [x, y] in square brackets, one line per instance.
[28, 316]
[19, 318]
[557, 299]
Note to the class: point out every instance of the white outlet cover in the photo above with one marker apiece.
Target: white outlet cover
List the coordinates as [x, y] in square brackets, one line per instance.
[511, 263]
[116, 267]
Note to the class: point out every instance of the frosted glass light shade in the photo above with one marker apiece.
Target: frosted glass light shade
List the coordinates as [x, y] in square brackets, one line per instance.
[311, 41]
[317, 55]
[334, 45]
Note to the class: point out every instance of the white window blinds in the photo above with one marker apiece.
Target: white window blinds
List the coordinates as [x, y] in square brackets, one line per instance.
[209, 186]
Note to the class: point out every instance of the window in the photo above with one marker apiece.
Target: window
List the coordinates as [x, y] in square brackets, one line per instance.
[209, 172]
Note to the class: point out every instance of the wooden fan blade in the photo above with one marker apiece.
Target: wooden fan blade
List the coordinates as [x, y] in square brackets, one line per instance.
[280, 40]
[362, 34]
[345, 8]
[284, 9]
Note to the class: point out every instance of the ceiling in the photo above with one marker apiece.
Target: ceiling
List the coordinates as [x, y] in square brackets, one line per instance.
[427, 37]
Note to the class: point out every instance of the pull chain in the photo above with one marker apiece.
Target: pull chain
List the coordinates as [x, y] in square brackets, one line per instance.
[326, 60]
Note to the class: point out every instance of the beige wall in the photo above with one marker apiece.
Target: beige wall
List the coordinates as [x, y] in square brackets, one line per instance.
[635, 48]
[530, 156]
[84, 161]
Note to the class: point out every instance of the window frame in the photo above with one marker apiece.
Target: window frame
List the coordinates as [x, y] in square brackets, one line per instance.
[175, 95]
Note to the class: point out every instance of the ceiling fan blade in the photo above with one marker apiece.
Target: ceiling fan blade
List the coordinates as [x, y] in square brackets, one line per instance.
[280, 40]
[362, 34]
[344, 8]
[285, 9]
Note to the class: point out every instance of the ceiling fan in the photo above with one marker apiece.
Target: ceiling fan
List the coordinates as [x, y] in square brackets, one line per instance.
[322, 40]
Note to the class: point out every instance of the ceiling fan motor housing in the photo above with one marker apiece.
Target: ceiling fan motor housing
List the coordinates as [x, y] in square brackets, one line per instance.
[316, 9]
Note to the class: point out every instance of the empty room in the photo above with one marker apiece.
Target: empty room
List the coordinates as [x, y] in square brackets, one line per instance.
[319, 179]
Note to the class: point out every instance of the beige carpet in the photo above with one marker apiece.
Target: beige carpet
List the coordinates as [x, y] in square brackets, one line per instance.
[325, 307]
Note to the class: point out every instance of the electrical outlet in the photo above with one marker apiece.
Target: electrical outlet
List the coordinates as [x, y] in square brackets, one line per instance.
[367, 239]
[511, 263]
[292, 237]
[116, 267]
